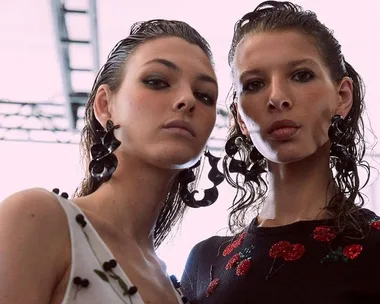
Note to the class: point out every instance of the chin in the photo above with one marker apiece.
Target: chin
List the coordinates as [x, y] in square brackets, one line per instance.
[287, 160]
[288, 157]
[283, 159]
[178, 160]
[292, 152]
[184, 162]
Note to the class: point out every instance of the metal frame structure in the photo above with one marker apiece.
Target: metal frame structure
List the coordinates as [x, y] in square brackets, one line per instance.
[58, 122]
[53, 121]
[35, 122]
[66, 44]
[47, 122]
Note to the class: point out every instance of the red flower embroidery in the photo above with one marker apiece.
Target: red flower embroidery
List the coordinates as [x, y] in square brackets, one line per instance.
[232, 246]
[278, 249]
[294, 252]
[243, 267]
[228, 249]
[352, 251]
[212, 286]
[376, 225]
[233, 261]
[324, 234]
[290, 252]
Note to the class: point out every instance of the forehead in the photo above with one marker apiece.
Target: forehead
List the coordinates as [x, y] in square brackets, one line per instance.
[275, 48]
[174, 49]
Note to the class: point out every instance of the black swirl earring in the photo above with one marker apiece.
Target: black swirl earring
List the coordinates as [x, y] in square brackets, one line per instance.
[187, 176]
[104, 162]
[338, 151]
[233, 145]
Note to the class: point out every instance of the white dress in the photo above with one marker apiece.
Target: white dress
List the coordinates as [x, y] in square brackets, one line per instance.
[89, 282]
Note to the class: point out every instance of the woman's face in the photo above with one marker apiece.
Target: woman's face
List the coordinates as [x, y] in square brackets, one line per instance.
[166, 105]
[286, 96]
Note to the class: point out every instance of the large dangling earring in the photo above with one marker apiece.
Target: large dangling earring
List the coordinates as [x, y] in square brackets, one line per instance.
[104, 162]
[187, 176]
[339, 153]
[252, 173]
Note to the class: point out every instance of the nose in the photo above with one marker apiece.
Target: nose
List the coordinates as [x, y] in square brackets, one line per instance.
[279, 98]
[185, 102]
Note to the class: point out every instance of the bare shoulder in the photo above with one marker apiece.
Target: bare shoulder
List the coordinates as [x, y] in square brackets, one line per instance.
[36, 207]
[32, 229]
[31, 200]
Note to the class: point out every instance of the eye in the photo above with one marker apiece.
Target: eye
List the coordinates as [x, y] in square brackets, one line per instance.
[303, 76]
[156, 83]
[204, 97]
[253, 86]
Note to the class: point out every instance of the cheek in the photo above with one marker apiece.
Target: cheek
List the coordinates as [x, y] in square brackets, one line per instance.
[319, 112]
[207, 120]
[140, 108]
[249, 113]
[321, 125]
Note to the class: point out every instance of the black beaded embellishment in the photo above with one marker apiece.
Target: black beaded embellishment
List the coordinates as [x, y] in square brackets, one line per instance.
[175, 282]
[81, 220]
[107, 266]
[81, 282]
[63, 194]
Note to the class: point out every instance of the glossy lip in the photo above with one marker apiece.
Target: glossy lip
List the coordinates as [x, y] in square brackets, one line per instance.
[284, 123]
[182, 124]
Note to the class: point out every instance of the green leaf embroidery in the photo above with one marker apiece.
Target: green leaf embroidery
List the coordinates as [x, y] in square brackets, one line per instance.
[102, 275]
[114, 276]
[123, 286]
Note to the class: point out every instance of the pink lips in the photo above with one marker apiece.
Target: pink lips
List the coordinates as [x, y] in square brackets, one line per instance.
[283, 129]
[182, 125]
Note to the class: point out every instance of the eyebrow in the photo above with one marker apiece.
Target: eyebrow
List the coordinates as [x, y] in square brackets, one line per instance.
[174, 67]
[164, 62]
[292, 63]
[249, 72]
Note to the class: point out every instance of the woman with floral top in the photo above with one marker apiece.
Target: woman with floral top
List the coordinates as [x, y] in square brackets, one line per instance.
[293, 153]
[150, 113]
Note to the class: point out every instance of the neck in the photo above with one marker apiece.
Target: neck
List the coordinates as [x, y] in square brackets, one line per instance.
[132, 199]
[298, 191]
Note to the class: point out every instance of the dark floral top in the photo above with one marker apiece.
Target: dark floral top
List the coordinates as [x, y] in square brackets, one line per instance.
[304, 262]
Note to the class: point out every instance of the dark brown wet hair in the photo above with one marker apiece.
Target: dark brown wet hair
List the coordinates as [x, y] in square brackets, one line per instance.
[112, 74]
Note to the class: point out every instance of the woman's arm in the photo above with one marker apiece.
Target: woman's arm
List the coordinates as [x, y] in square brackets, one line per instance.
[32, 230]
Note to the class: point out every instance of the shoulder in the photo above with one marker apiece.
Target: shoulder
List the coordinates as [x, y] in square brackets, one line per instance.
[215, 243]
[208, 249]
[34, 247]
[201, 255]
[369, 236]
[372, 221]
[34, 212]
[36, 203]
[369, 221]
[368, 215]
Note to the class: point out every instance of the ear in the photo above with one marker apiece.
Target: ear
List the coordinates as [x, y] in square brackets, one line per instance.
[240, 121]
[102, 104]
[345, 100]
